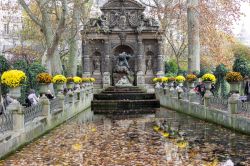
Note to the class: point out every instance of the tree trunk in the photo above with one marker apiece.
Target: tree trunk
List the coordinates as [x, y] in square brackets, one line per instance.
[73, 45]
[193, 36]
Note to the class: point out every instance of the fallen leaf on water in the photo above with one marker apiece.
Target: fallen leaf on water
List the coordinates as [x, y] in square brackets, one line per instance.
[182, 144]
[93, 129]
[77, 146]
[156, 128]
[165, 134]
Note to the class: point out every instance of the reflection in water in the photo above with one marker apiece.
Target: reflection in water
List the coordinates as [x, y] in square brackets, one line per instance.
[166, 138]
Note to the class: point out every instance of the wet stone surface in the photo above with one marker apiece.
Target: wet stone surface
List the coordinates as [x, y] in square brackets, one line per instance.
[174, 139]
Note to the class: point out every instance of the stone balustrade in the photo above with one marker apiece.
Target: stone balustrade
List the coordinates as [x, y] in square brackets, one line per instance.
[231, 113]
[21, 125]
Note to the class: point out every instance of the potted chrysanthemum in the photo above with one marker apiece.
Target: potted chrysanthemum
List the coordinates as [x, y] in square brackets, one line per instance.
[77, 81]
[44, 79]
[70, 83]
[14, 79]
[59, 81]
[234, 78]
[208, 79]
[191, 78]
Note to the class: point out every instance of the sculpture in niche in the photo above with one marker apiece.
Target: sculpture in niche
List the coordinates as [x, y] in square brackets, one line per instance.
[96, 64]
[149, 64]
[122, 65]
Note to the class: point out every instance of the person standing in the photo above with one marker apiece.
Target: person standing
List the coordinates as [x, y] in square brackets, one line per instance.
[247, 89]
[32, 97]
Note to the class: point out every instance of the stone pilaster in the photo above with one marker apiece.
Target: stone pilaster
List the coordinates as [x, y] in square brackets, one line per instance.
[160, 61]
[106, 74]
[86, 59]
[140, 64]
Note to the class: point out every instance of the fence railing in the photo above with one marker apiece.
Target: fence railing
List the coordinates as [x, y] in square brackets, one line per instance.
[6, 122]
[32, 112]
[243, 107]
[219, 103]
[55, 105]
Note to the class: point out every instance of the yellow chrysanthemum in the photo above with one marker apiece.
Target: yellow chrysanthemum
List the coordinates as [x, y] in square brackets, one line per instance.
[208, 77]
[180, 79]
[59, 79]
[77, 80]
[13, 78]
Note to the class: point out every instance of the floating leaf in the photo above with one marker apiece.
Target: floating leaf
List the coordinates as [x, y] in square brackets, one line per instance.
[77, 146]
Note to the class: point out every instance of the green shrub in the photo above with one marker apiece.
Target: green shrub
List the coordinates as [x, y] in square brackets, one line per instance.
[171, 67]
[241, 65]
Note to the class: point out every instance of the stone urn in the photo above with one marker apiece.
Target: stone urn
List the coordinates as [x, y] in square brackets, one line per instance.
[234, 87]
[59, 87]
[208, 84]
[15, 92]
[77, 86]
[191, 85]
[70, 85]
[43, 88]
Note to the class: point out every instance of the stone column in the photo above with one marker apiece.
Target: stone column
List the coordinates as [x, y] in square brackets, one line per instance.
[86, 59]
[18, 115]
[46, 109]
[106, 74]
[160, 61]
[140, 63]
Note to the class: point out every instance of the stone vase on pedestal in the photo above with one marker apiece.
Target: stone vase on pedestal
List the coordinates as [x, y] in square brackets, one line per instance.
[15, 92]
[208, 93]
[59, 87]
[234, 87]
[43, 88]
[70, 85]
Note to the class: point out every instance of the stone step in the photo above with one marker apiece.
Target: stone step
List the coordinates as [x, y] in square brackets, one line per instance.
[124, 96]
[124, 104]
[120, 92]
[127, 112]
[118, 89]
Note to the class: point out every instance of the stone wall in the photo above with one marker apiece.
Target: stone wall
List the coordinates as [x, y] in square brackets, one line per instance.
[30, 123]
[226, 118]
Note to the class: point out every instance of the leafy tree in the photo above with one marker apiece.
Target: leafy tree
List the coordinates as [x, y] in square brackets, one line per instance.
[241, 65]
[241, 50]
[171, 67]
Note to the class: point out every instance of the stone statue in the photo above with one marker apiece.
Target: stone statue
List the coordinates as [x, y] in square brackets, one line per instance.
[96, 64]
[122, 65]
[149, 64]
[123, 82]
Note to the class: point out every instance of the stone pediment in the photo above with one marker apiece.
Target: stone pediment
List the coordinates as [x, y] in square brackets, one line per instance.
[118, 4]
[120, 15]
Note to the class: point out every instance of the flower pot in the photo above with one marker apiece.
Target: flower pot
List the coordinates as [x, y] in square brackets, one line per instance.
[15, 93]
[43, 88]
[191, 85]
[208, 84]
[234, 87]
[70, 85]
[77, 86]
[59, 87]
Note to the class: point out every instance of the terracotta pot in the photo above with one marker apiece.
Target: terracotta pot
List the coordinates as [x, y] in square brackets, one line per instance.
[15, 93]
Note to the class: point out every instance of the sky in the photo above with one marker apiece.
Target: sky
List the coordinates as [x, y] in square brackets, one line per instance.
[245, 8]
